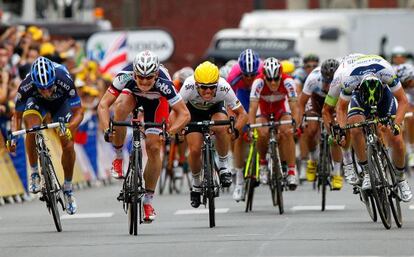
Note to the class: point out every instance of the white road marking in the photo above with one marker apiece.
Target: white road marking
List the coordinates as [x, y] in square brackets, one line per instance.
[87, 216]
[199, 211]
[411, 207]
[240, 235]
[317, 207]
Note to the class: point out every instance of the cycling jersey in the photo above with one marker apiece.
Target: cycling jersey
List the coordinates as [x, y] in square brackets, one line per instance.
[335, 88]
[406, 72]
[224, 92]
[317, 90]
[63, 98]
[127, 74]
[273, 101]
[367, 64]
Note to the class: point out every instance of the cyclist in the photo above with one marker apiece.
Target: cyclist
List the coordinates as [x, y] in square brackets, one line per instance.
[180, 76]
[225, 69]
[114, 98]
[328, 112]
[275, 92]
[316, 87]
[241, 78]
[405, 72]
[48, 88]
[398, 55]
[145, 87]
[310, 62]
[370, 84]
[178, 79]
[206, 95]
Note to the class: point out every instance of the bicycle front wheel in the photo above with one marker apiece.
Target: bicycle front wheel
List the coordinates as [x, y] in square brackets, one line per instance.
[276, 176]
[378, 187]
[251, 179]
[51, 190]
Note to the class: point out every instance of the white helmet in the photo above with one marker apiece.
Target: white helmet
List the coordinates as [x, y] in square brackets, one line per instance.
[146, 63]
[272, 67]
[405, 72]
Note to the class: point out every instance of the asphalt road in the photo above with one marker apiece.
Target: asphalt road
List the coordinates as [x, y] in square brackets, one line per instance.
[100, 228]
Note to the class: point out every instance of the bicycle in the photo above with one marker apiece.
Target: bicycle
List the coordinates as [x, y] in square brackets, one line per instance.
[168, 176]
[384, 186]
[278, 175]
[251, 172]
[51, 191]
[210, 186]
[324, 167]
[133, 187]
[364, 196]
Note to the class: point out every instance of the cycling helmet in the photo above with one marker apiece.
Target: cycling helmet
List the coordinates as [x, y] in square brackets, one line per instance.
[183, 73]
[146, 63]
[328, 69]
[206, 73]
[288, 66]
[43, 73]
[272, 68]
[405, 72]
[370, 90]
[249, 62]
[310, 58]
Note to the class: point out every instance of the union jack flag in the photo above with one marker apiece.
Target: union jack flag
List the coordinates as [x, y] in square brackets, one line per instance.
[115, 57]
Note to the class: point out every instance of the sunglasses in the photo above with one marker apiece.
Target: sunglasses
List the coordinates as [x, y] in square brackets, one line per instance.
[272, 79]
[205, 87]
[307, 66]
[144, 77]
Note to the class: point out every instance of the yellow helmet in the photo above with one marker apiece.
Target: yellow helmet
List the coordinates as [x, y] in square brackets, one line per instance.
[288, 66]
[206, 73]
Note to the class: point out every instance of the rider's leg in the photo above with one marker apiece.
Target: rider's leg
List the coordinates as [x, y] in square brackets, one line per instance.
[311, 130]
[222, 146]
[262, 145]
[288, 151]
[123, 106]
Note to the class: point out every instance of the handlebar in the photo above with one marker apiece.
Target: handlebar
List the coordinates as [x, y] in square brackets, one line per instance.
[272, 123]
[61, 124]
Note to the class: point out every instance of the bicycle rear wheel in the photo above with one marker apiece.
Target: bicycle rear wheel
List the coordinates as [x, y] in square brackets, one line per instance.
[378, 187]
[208, 175]
[393, 197]
[276, 177]
[51, 190]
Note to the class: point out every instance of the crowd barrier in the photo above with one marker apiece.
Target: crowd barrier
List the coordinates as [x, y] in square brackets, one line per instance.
[93, 160]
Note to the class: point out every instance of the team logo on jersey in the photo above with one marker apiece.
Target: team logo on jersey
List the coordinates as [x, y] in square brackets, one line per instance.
[63, 84]
[164, 88]
[72, 92]
[18, 96]
[225, 89]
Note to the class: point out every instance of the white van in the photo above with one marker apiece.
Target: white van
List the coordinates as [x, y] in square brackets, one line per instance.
[336, 32]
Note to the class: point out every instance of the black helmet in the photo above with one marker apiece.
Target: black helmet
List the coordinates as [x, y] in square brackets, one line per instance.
[328, 69]
[370, 91]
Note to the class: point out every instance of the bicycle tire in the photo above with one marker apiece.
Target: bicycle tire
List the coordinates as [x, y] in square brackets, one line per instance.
[51, 201]
[134, 196]
[324, 172]
[276, 177]
[366, 198]
[164, 173]
[208, 175]
[250, 181]
[393, 197]
[379, 192]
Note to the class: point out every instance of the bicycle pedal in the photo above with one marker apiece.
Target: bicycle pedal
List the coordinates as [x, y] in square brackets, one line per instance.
[42, 198]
